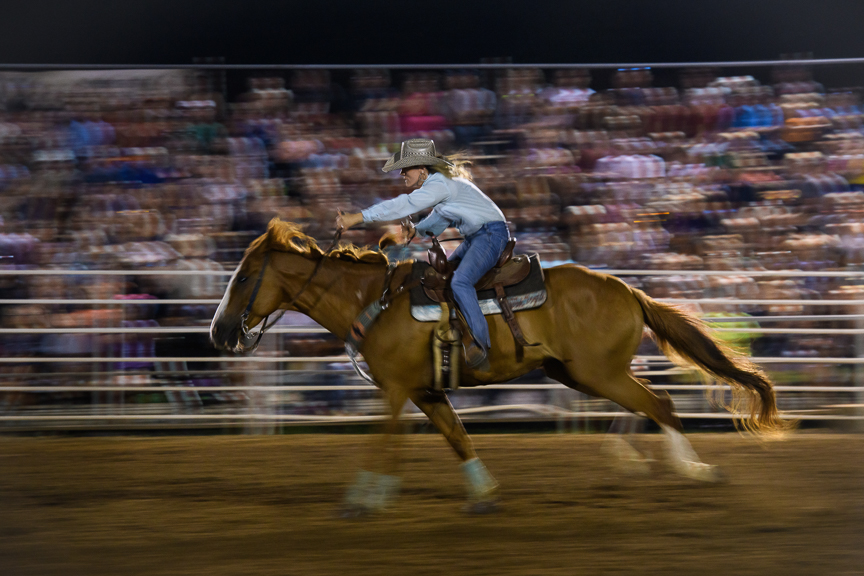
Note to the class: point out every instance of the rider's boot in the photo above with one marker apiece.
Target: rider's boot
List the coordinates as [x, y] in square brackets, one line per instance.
[477, 357]
[476, 354]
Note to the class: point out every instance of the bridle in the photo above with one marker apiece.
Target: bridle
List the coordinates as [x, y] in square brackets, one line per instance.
[244, 331]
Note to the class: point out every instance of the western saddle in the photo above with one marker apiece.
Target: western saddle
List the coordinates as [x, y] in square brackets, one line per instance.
[507, 271]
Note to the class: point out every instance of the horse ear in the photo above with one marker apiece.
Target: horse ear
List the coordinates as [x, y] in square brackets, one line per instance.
[273, 225]
[271, 233]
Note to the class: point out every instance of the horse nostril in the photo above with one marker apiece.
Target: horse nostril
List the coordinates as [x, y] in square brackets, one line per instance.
[224, 335]
[216, 341]
[218, 336]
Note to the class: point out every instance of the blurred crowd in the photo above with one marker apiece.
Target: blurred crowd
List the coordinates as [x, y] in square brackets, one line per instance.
[148, 170]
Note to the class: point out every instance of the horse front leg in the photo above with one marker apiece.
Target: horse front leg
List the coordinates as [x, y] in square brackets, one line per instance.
[377, 483]
[482, 487]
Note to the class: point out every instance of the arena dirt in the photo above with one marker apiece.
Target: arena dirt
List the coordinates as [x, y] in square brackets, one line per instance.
[226, 505]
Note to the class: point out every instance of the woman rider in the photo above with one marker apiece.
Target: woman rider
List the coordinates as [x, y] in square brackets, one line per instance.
[445, 185]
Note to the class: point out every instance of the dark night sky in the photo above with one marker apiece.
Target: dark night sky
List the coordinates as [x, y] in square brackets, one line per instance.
[376, 31]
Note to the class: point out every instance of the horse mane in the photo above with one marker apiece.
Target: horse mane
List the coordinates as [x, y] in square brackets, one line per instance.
[288, 237]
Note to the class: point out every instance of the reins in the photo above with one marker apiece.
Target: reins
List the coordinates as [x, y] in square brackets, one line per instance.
[266, 326]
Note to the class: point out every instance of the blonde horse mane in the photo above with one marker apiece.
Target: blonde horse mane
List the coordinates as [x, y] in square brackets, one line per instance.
[289, 237]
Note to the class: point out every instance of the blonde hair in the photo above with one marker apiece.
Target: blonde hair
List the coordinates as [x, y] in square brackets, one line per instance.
[459, 168]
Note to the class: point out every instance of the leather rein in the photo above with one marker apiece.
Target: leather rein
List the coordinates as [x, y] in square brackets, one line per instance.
[244, 331]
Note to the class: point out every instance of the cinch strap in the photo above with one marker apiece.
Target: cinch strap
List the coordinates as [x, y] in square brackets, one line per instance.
[356, 334]
[364, 320]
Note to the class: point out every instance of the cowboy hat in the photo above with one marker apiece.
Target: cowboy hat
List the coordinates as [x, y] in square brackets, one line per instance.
[415, 152]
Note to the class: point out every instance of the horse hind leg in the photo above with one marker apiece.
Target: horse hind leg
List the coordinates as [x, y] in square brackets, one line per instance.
[684, 460]
[482, 487]
[627, 391]
[616, 445]
[681, 456]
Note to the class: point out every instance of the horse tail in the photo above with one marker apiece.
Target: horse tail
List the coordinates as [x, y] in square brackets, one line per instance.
[682, 336]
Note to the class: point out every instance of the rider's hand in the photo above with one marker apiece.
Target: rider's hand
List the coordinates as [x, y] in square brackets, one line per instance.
[408, 230]
[345, 220]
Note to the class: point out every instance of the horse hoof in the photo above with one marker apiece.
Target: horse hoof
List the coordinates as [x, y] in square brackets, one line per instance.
[703, 472]
[481, 507]
[720, 477]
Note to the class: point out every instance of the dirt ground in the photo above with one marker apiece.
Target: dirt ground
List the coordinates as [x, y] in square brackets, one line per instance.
[223, 505]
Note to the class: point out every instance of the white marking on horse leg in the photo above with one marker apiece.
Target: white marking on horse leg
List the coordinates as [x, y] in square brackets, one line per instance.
[384, 492]
[481, 485]
[684, 459]
[679, 446]
[372, 491]
[356, 495]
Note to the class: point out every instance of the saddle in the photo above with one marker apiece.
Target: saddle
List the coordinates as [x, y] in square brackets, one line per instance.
[508, 271]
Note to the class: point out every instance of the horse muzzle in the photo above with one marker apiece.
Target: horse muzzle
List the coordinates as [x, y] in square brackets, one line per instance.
[234, 337]
[225, 335]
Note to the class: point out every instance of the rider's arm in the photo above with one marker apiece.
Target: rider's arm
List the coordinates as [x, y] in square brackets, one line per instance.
[433, 225]
[404, 205]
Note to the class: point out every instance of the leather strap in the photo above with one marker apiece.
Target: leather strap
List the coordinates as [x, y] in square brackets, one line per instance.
[510, 318]
[367, 316]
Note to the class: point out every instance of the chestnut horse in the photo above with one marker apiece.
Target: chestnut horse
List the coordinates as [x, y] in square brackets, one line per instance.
[588, 330]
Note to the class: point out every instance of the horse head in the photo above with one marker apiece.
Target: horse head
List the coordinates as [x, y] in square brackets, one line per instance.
[250, 297]
[276, 270]
[256, 289]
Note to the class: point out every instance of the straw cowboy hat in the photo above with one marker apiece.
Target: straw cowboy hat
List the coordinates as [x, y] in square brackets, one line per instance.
[415, 152]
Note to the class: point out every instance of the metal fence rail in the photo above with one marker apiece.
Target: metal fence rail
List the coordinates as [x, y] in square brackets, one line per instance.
[108, 384]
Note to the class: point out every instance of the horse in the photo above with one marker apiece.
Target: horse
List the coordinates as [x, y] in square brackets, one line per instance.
[587, 332]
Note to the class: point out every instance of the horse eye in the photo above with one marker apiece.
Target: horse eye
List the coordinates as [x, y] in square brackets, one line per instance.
[241, 279]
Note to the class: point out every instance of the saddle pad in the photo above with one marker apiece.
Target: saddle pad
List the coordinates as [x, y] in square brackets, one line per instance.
[527, 294]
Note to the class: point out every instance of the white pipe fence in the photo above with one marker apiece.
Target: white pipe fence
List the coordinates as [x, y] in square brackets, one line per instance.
[163, 381]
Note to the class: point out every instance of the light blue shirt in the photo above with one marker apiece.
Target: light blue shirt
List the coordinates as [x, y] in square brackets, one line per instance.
[454, 202]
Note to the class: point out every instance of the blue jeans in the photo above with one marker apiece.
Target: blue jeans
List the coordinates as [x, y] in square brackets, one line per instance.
[478, 254]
